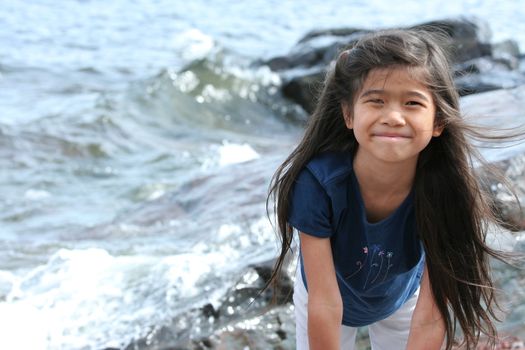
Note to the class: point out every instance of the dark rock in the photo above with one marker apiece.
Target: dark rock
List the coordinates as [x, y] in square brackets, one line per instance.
[209, 311]
[304, 89]
[484, 74]
[281, 334]
[479, 65]
[469, 85]
[275, 329]
[279, 63]
[470, 37]
[207, 343]
[331, 32]
[507, 52]
[478, 83]
[315, 49]
[211, 327]
[303, 69]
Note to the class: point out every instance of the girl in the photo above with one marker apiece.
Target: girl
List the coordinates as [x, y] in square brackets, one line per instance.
[391, 219]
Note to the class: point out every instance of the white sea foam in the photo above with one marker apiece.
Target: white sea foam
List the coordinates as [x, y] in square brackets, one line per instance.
[232, 153]
[89, 299]
[6, 283]
[21, 326]
[35, 195]
[186, 81]
[192, 44]
[229, 153]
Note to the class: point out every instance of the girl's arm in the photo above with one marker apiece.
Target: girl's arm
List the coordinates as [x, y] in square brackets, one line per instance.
[325, 307]
[427, 329]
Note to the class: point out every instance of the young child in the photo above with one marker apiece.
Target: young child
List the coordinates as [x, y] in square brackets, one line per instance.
[391, 218]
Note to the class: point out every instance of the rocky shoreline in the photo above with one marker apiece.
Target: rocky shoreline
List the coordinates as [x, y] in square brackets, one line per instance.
[478, 64]
[493, 77]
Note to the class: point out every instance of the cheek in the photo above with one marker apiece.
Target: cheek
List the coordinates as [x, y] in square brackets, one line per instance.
[359, 134]
[424, 123]
[362, 124]
[424, 139]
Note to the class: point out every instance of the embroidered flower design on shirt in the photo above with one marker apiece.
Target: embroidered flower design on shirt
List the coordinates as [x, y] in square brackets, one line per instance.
[379, 261]
[380, 254]
[389, 256]
[373, 264]
[360, 264]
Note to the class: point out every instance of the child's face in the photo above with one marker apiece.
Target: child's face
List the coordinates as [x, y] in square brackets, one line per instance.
[393, 116]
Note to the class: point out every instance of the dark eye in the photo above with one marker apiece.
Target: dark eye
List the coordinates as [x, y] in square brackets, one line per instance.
[376, 100]
[414, 103]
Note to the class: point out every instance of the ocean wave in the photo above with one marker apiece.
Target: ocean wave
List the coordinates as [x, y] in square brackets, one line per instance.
[214, 93]
[90, 299]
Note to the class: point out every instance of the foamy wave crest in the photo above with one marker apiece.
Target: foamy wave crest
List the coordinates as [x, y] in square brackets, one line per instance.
[214, 78]
[215, 92]
[193, 44]
[229, 153]
[89, 299]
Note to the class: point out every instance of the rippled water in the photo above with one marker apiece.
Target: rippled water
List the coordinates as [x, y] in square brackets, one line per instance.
[137, 140]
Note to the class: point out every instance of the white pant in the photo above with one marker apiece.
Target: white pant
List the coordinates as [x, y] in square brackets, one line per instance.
[388, 334]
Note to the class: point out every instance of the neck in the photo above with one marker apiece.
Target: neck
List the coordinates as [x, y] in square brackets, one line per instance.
[377, 177]
[383, 185]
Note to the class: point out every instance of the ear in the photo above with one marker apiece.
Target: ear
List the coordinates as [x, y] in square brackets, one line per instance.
[437, 131]
[347, 114]
[438, 127]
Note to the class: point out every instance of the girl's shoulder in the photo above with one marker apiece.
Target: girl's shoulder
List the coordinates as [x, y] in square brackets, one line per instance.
[328, 167]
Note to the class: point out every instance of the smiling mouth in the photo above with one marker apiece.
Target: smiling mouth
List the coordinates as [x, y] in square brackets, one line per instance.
[391, 136]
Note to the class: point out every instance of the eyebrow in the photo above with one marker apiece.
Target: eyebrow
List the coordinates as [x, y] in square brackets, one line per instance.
[409, 93]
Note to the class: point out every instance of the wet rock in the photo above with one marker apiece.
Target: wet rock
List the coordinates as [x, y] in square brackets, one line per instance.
[316, 48]
[480, 66]
[274, 329]
[209, 311]
[496, 110]
[337, 32]
[483, 82]
[244, 315]
[304, 89]
[508, 52]
[508, 197]
[470, 37]
[484, 74]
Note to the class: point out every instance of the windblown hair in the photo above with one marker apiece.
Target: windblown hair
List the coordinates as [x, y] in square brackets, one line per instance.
[452, 210]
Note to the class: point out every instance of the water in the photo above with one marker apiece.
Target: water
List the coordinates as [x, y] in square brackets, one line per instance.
[136, 145]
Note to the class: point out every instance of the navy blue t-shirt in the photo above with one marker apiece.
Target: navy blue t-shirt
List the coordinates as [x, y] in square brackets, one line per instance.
[378, 265]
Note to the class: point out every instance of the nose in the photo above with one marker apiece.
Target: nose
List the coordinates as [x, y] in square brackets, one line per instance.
[393, 117]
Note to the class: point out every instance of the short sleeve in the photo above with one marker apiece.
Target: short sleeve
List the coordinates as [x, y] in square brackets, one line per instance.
[310, 208]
